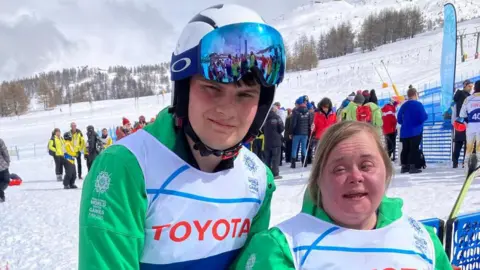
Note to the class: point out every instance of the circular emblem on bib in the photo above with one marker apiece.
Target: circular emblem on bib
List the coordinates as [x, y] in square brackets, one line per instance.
[102, 183]
[251, 262]
[181, 64]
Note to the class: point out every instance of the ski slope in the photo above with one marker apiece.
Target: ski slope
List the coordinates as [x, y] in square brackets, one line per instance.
[413, 61]
[409, 62]
[319, 16]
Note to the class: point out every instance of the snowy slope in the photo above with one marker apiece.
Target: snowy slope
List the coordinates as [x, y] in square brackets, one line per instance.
[409, 62]
[320, 15]
[413, 61]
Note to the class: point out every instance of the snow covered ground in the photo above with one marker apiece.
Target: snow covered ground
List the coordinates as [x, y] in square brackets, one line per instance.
[39, 221]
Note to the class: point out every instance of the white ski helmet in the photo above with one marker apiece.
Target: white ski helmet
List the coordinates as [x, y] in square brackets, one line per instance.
[197, 28]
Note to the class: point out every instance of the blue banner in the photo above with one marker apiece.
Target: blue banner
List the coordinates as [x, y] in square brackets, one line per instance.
[449, 55]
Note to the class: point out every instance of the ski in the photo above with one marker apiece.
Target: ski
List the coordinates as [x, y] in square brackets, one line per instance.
[473, 170]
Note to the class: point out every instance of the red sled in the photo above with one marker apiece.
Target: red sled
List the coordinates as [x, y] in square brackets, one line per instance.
[15, 182]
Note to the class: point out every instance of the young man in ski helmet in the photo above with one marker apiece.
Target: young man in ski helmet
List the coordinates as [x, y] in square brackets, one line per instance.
[182, 192]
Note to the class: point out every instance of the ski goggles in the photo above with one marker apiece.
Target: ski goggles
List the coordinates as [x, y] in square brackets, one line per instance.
[228, 53]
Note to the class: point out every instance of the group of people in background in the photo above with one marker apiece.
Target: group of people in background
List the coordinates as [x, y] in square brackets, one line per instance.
[67, 149]
[292, 134]
[465, 117]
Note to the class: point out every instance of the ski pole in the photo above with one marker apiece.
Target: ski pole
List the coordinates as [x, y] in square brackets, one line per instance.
[308, 147]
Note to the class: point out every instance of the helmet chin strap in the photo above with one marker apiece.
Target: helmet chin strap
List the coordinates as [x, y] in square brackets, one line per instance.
[205, 150]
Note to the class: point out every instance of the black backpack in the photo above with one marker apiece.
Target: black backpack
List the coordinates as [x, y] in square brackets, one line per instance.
[50, 152]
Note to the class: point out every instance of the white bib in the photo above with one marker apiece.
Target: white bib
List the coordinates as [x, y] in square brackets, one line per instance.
[316, 244]
[195, 220]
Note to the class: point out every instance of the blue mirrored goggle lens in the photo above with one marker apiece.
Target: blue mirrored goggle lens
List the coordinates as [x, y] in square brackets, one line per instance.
[230, 52]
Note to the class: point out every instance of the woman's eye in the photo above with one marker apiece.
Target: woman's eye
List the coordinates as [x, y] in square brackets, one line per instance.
[338, 169]
[367, 165]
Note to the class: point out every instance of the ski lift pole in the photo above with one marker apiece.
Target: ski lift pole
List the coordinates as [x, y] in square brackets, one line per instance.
[384, 84]
[390, 77]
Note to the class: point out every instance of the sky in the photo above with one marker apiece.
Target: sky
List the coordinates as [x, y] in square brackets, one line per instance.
[37, 36]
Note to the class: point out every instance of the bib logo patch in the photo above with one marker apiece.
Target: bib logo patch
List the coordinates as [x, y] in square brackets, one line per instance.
[421, 244]
[253, 185]
[102, 182]
[251, 262]
[250, 164]
[415, 226]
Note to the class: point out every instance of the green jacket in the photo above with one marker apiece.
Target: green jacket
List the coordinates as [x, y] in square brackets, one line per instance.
[273, 252]
[349, 113]
[113, 211]
[377, 120]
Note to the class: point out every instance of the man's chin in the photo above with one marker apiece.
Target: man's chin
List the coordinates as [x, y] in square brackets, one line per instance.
[221, 144]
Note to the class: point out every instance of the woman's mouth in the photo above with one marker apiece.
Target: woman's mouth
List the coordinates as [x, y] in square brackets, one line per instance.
[355, 195]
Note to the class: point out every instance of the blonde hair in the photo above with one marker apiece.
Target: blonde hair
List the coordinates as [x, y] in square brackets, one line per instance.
[331, 138]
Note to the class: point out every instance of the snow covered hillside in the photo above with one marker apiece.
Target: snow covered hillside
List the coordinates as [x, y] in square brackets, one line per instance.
[413, 61]
[320, 15]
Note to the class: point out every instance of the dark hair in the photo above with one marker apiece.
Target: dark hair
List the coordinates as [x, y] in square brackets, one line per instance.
[325, 102]
[477, 87]
[55, 131]
[248, 80]
[411, 92]
[373, 97]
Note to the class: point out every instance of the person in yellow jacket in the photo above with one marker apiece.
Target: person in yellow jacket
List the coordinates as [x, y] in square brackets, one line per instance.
[55, 149]
[79, 143]
[71, 152]
[106, 139]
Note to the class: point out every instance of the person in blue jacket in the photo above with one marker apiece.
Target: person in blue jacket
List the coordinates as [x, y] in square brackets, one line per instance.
[411, 116]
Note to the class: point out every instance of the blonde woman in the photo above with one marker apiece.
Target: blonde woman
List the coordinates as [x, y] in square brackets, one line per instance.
[348, 223]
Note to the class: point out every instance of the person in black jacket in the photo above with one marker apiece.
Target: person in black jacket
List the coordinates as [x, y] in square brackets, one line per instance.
[459, 137]
[287, 136]
[272, 130]
[302, 121]
[94, 146]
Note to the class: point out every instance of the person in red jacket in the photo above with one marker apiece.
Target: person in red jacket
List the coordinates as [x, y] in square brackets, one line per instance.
[390, 127]
[324, 118]
[124, 130]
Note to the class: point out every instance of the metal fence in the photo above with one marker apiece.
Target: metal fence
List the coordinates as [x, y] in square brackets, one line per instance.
[40, 150]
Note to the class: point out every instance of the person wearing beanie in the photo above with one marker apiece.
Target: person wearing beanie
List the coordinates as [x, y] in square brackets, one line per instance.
[351, 96]
[125, 122]
[366, 95]
[470, 114]
[124, 130]
[459, 134]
